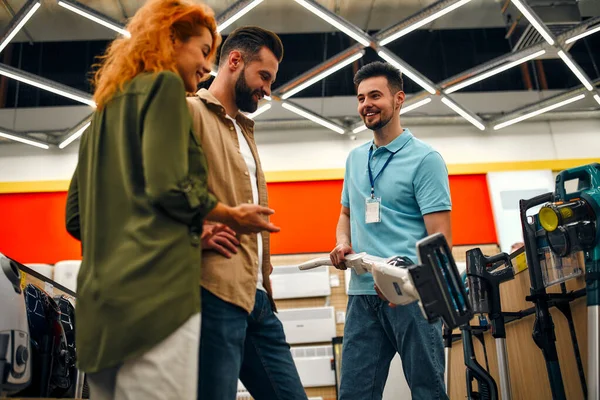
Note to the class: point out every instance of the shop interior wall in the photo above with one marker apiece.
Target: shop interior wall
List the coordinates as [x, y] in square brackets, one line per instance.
[33, 224]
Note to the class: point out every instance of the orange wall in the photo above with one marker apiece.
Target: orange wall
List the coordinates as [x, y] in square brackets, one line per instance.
[32, 225]
[307, 213]
[32, 228]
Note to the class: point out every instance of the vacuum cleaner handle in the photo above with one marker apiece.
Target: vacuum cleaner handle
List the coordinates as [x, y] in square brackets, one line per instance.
[525, 205]
[314, 263]
[589, 173]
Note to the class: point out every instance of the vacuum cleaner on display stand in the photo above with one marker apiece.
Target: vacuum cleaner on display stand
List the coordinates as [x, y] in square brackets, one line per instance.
[15, 360]
[561, 242]
[484, 276]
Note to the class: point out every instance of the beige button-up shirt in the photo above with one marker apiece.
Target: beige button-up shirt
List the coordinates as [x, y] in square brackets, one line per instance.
[231, 279]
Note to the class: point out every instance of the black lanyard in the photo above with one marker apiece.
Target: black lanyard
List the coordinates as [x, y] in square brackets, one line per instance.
[384, 165]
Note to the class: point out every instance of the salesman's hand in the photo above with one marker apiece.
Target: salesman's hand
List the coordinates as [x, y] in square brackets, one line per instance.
[338, 255]
[220, 238]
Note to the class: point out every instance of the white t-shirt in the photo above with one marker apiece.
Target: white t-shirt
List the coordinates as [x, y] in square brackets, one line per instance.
[251, 165]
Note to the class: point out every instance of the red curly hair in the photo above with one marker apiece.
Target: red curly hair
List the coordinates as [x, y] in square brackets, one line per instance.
[150, 49]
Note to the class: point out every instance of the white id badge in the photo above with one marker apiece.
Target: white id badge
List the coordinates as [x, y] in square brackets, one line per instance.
[373, 210]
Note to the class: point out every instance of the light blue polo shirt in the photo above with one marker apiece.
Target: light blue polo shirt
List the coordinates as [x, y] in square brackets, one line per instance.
[414, 183]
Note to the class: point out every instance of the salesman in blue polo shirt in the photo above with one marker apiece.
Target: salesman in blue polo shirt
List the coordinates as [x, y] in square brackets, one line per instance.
[395, 193]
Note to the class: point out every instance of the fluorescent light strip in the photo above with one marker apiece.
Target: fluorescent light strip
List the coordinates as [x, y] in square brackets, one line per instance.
[597, 98]
[538, 112]
[359, 129]
[350, 32]
[406, 72]
[533, 21]
[94, 18]
[74, 136]
[23, 140]
[403, 110]
[19, 26]
[423, 22]
[43, 86]
[322, 75]
[418, 104]
[238, 15]
[463, 113]
[575, 70]
[260, 110]
[582, 35]
[492, 72]
[313, 118]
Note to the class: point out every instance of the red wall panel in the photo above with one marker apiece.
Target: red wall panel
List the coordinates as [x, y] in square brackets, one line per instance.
[32, 227]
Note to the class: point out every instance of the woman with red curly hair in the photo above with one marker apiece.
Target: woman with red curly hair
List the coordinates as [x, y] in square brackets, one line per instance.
[137, 202]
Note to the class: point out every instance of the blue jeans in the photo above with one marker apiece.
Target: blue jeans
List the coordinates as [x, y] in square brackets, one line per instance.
[252, 347]
[374, 332]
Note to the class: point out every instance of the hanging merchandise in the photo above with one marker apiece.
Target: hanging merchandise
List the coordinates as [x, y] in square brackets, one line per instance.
[15, 359]
[49, 354]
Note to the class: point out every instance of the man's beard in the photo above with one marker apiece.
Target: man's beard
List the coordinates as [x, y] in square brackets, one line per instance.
[244, 95]
[378, 124]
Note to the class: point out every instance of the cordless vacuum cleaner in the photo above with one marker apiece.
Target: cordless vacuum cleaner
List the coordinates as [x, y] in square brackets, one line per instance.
[434, 282]
[483, 280]
[570, 241]
[560, 241]
[15, 360]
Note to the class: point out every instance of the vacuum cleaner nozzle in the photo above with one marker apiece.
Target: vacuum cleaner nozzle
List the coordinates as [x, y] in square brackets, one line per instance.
[438, 283]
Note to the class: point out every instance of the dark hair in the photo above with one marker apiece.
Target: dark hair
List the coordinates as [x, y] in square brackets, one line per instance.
[249, 40]
[378, 68]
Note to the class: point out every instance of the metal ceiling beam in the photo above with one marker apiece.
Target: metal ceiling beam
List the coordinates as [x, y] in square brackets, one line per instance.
[18, 22]
[235, 12]
[414, 120]
[415, 20]
[232, 10]
[14, 16]
[534, 20]
[316, 118]
[407, 70]
[93, 15]
[489, 65]
[335, 20]
[580, 28]
[74, 133]
[21, 138]
[315, 71]
[509, 57]
[46, 84]
[543, 103]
